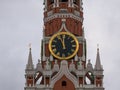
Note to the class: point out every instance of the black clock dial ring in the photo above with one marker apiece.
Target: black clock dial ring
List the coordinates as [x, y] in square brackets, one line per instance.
[63, 45]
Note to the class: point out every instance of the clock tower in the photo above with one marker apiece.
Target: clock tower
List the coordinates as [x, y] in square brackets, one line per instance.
[63, 64]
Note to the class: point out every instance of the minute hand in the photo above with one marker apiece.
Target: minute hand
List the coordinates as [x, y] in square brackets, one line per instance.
[63, 43]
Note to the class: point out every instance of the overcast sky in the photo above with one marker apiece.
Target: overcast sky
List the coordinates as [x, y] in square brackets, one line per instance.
[21, 23]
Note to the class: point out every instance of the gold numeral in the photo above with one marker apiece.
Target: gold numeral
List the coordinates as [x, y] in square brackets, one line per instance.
[53, 46]
[54, 41]
[72, 50]
[63, 36]
[72, 41]
[54, 50]
[73, 45]
[58, 53]
[58, 37]
[68, 54]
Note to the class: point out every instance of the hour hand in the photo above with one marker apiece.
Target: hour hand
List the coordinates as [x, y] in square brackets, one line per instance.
[62, 41]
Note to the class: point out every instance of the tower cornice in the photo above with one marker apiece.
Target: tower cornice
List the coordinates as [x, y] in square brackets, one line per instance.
[63, 15]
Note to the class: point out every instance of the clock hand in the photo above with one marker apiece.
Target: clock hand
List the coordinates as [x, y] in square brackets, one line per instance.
[63, 42]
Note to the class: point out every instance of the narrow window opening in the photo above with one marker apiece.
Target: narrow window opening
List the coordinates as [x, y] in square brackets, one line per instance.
[63, 0]
[52, 1]
[74, 1]
[64, 83]
[89, 78]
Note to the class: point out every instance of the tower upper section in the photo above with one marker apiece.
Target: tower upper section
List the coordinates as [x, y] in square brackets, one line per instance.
[67, 5]
[56, 10]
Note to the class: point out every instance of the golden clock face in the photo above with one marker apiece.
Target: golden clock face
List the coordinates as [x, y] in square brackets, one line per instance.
[63, 45]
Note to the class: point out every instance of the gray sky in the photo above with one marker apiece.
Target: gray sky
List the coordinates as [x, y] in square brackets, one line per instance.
[21, 23]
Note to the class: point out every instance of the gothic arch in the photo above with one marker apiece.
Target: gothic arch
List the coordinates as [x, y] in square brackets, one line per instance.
[64, 71]
[38, 77]
[89, 78]
[64, 84]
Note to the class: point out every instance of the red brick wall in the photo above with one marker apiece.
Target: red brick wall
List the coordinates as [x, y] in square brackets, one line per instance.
[69, 84]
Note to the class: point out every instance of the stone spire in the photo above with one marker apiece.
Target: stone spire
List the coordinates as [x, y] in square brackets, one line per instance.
[98, 65]
[30, 65]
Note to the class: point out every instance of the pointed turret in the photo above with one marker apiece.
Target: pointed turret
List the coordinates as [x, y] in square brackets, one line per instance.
[98, 65]
[30, 65]
[98, 71]
[29, 71]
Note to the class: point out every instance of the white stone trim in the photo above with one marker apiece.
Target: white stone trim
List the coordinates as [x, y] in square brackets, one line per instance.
[63, 26]
[64, 71]
[69, 3]
[44, 58]
[45, 9]
[57, 3]
[83, 57]
[63, 15]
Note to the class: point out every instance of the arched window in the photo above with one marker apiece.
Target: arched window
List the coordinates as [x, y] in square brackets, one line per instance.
[38, 77]
[63, 0]
[74, 1]
[89, 78]
[52, 1]
[64, 83]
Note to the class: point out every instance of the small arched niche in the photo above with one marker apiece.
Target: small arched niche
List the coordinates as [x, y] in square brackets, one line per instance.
[64, 83]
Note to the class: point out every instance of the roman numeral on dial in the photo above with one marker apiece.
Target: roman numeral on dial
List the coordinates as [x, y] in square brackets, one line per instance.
[73, 45]
[58, 54]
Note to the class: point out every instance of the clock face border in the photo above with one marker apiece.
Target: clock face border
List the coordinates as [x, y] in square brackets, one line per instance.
[63, 33]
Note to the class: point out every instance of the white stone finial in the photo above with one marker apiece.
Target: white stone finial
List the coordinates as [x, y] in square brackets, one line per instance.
[72, 66]
[51, 58]
[89, 65]
[72, 61]
[76, 58]
[47, 62]
[56, 66]
[47, 66]
[55, 61]
[80, 66]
